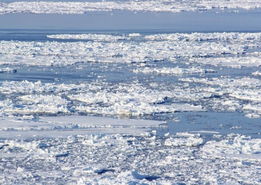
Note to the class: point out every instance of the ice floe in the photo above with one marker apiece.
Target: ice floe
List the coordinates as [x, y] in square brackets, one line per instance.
[234, 62]
[234, 146]
[232, 94]
[63, 126]
[7, 70]
[257, 73]
[123, 99]
[133, 100]
[170, 71]
[184, 140]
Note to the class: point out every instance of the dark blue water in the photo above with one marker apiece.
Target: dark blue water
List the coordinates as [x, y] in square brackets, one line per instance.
[159, 22]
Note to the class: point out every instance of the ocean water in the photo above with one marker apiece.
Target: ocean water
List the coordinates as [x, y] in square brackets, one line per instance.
[160, 102]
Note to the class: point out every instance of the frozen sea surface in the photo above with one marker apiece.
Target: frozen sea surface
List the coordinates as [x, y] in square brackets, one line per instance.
[130, 108]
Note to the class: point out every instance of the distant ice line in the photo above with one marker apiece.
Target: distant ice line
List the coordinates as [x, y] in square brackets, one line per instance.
[216, 36]
[42, 7]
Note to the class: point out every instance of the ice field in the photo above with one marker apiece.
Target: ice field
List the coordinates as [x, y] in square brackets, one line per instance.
[78, 108]
[130, 107]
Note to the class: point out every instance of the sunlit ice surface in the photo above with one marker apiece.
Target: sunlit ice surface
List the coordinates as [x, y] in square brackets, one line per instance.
[130, 106]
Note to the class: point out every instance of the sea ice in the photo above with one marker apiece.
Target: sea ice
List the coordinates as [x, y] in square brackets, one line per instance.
[49, 7]
[64, 126]
[50, 132]
[170, 71]
[116, 158]
[204, 48]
